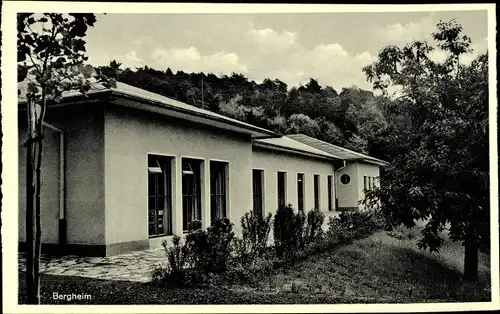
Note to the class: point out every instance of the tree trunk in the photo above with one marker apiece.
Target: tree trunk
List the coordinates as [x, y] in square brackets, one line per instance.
[471, 261]
[30, 226]
[38, 223]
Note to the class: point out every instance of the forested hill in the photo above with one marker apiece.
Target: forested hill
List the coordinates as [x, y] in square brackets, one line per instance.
[352, 118]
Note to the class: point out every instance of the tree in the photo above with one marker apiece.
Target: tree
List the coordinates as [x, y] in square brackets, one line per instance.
[51, 56]
[301, 123]
[437, 175]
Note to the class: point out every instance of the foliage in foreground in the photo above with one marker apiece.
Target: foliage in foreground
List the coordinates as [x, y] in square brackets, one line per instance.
[215, 257]
[439, 170]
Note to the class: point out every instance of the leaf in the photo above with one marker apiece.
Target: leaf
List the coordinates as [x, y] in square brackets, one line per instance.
[112, 83]
[22, 72]
[87, 70]
[32, 88]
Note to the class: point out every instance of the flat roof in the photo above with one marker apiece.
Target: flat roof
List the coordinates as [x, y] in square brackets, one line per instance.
[164, 105]
[288, 144]
[341, 152]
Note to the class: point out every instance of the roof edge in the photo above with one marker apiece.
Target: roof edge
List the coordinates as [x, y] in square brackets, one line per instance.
[236, 123]
[296, 151]
[363, 157]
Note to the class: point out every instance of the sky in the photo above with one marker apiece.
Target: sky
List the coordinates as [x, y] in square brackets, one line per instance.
[293, 47]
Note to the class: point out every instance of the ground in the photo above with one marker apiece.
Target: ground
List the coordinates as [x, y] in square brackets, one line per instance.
[383, 268]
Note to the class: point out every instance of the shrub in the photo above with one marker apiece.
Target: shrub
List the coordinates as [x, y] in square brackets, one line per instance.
[176, 273]
[314, 226]
[220, 237]
[288, 230]
[354, 224]
[209, 251]
[177, 256]
[338, 231]
[255, 235]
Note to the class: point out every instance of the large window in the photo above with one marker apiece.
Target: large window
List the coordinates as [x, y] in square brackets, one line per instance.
[300, 190]
[365, 183]
[218, 190]
[281, 189]
[191, 191]
[316, 191]
[159, 196]
[330, 192]
[257, 178]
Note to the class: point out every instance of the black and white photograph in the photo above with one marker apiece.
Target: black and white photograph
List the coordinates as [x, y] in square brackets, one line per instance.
[302, 157]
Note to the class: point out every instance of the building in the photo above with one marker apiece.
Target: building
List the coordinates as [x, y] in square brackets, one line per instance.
[125, 169]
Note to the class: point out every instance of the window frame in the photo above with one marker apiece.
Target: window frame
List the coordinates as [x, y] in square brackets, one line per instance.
[166, 174]
[316, 187]
[195, 197]
[281, 194]
[301, 183]
[258, 194]
[345, 175]
[220, 195]
[330, 191]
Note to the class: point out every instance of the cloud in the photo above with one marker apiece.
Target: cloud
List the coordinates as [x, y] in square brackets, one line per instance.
[269, 40]
[191, 60]
[438, 55]
[398, 33]
[331, 64]
[131, 59]
[477, 49]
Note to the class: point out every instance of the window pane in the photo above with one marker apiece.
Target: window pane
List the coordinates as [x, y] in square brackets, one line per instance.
[159, 205]
[330, 192]
[151, 184]
[217, 189]
[316, 191]
[152, 216]
[281, 189]
[191, 189]
[300, 191]
[257, 192]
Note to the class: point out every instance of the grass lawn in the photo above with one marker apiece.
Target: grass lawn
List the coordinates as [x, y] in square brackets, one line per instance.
[378, 269]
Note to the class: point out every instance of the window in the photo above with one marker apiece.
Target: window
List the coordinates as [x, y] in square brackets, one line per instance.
[191, 191]
[345, 178]
[257, 178]
[365, 183]
[159, 196]
[300, 190]
[330, 192]
[370, 183]
[281, 189]
[217, 190]
[316, 191]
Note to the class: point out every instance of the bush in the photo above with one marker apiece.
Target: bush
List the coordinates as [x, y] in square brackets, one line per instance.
[314, 226]
[209, 251]
[255, 235]
[338, 232]
[205, 254]
[288, 230]
[354, 224]
[214, 256]
[177, 255]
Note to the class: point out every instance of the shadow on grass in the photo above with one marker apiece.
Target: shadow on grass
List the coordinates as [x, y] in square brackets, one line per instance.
[431, 279]
[379, 269]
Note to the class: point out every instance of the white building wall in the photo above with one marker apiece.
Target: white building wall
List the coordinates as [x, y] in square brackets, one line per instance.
[370, 171]
[272, 161]
[131, 135]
